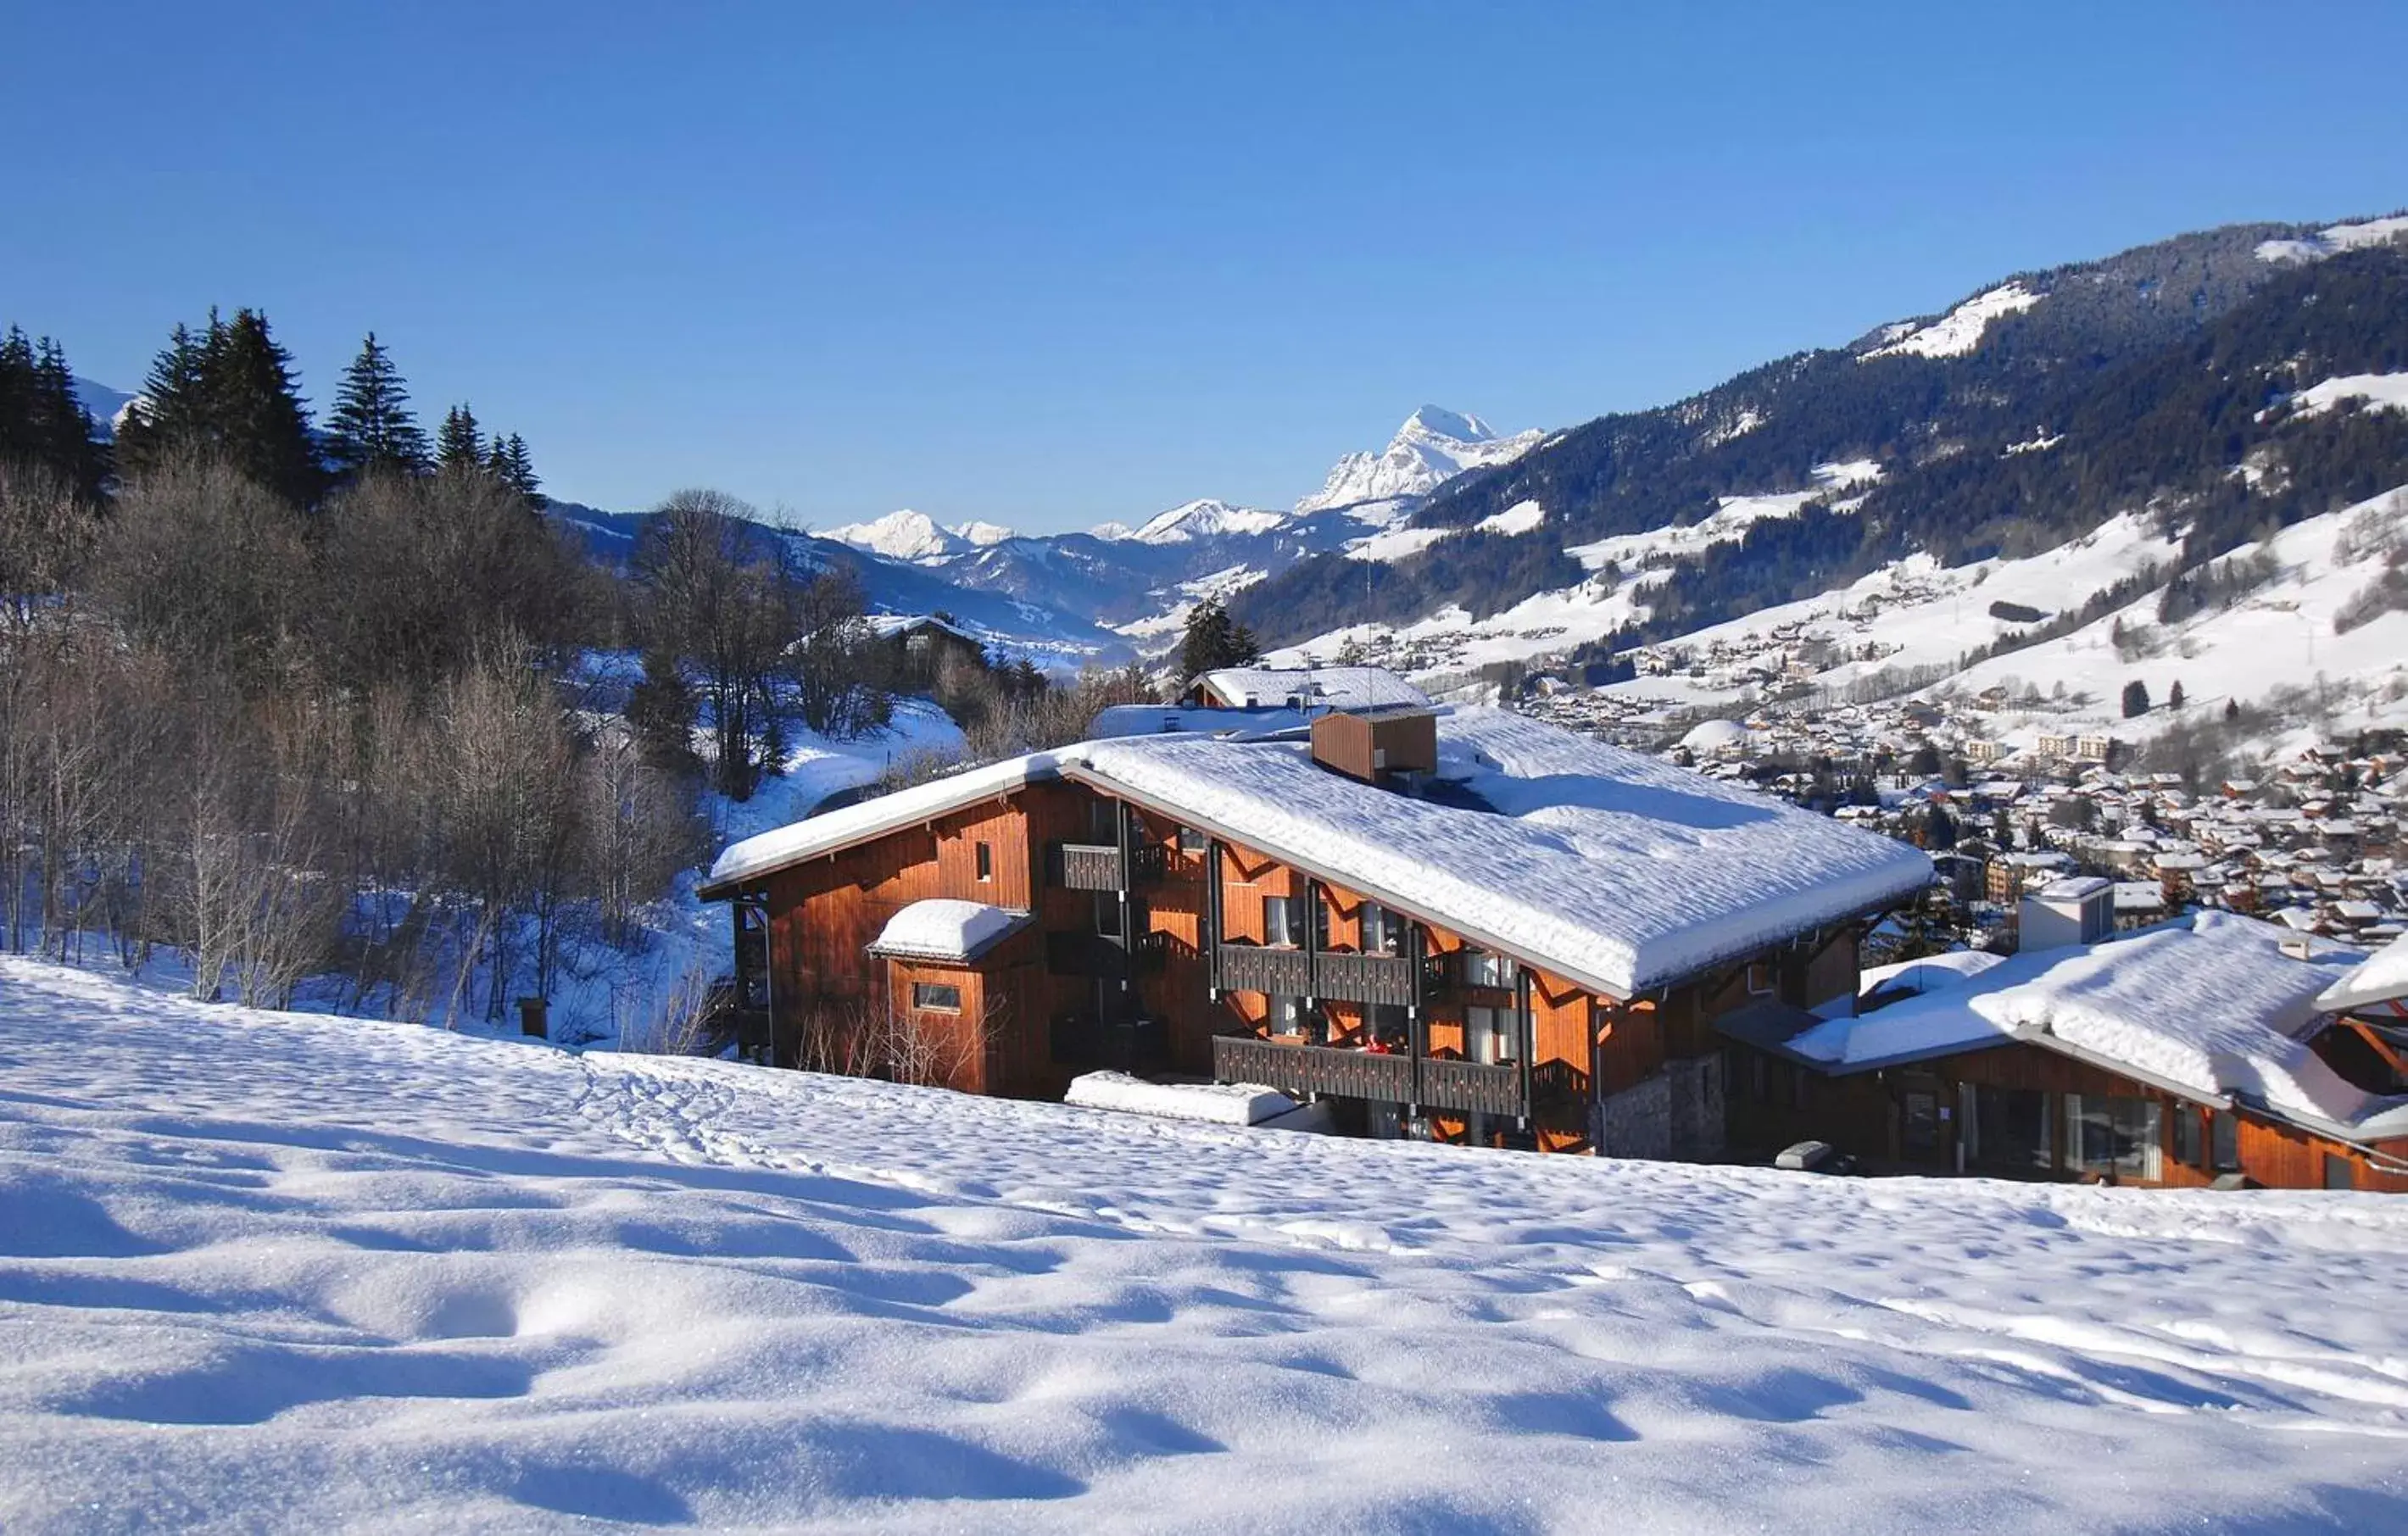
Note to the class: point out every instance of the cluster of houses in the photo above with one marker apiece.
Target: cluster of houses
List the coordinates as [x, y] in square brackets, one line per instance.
[1470, 925]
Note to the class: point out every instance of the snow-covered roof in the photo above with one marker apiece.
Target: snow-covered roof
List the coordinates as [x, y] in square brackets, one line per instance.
[868, 818]
[1219, 1103]
[2210, 1007]
[1159, 719]
[1336, 687]
[1931, 974]
[1716, 737]
[942, 929]
[2381, 978]
[1604, 866]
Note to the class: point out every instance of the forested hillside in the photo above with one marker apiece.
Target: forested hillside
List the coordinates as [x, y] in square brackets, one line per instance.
[2153, 380]
[331, 698]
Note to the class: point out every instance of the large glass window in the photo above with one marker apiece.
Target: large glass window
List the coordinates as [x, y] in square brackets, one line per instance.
[2190, 1148]
[1282, 922]
[2111, 1133]
[2224, 1142]
[2011, 1127]
[1482, 968]
[1488, 1035]
[1384, 931]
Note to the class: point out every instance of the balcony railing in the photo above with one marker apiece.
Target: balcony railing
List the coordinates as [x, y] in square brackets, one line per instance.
[1096, 866]
[1261, 968]
[1084, 866]
[1474, 1086]
[1461, 1087]
[1348, 977]
[1313, 1069]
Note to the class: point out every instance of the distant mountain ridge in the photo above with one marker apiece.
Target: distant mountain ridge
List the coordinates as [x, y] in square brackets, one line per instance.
[2044, 403]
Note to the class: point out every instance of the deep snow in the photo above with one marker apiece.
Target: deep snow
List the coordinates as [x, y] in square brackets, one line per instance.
[295, 1273]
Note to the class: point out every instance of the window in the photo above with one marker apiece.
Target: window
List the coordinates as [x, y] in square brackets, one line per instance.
[986, 861]
[1760, 979]
[1482, 968]
[2224, 1142]
[1282, 925]
[1289, 1016]
[1488, 1035]
[937, 997]
[1192, 841]
[2339, 1173]
[1384, 931]
[2190, 1148]
[1920, 1131]
[2011, 1127]
[2111, 1133]
[1390, 1027]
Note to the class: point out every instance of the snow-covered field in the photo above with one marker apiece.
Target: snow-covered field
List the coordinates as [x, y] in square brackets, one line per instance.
[265, 1272]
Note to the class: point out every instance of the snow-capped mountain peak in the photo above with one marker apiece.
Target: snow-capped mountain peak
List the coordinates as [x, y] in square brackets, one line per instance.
[906, 534]
[1203, 518]
[1434, 446]
[979, 536]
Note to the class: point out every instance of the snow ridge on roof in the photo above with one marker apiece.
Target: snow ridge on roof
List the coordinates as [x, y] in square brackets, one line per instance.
[2212, 1006]
[865, 818]
[1600, 864]
[2383, 979]
[1339, 687]
[945, 930]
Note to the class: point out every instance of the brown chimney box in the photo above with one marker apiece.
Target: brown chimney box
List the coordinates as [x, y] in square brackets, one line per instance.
[1372, 743]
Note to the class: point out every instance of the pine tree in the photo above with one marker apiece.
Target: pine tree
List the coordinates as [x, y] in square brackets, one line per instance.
[259, 422]
[371, 429]
[660, 710]
[2174, 695]
[517, 469]
[2136, 699]
[42, 420]
[460, 444]
[1215, 640]
[170, 412]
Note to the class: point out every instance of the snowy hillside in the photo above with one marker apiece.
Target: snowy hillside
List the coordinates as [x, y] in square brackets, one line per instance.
[1432, 447]
[268, 1271]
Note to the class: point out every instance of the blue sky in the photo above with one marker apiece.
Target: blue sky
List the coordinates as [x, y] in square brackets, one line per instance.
[1052, 263]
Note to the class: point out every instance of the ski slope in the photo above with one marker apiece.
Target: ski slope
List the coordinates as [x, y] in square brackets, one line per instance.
[264, 1271]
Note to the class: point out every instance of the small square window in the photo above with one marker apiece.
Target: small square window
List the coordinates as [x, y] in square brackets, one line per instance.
[1192, 841]
[937, 997]
[1760, 979]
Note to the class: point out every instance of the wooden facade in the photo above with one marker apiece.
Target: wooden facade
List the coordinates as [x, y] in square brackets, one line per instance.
[1158, 948]
[2019, 1110]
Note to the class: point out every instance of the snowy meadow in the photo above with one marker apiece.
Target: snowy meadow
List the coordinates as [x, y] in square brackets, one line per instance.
[279, 1271]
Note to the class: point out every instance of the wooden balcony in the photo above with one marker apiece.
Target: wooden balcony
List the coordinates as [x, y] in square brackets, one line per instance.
[1457, 1086]
[1347, 977]
[1473, 1086]
[1261, 968]
[1096, 866]
[1302, 1070]
[1084, 866]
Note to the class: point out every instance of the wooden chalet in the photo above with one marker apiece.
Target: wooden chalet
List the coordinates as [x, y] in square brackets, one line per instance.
[2205, 1052]
[1470, 927]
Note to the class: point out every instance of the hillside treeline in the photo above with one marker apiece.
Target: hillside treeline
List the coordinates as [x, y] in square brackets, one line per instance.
[335, 701]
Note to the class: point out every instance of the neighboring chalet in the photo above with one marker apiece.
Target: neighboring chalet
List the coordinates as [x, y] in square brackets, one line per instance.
[1303, 688]
[924, 640]
[1470, 927]
[2200, 1052]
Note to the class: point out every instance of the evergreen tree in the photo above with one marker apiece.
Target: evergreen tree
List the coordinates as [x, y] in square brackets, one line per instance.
[1215, 640]
[660, 710]
[460, 444]
[370, 428]
[170, 412]
[517, 470]
[2174, 695]
[42, 420]
[2136, 699]
[258, 419]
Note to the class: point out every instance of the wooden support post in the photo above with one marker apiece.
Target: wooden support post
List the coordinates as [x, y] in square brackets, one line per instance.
[1215, 932]
[1530, 1032]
